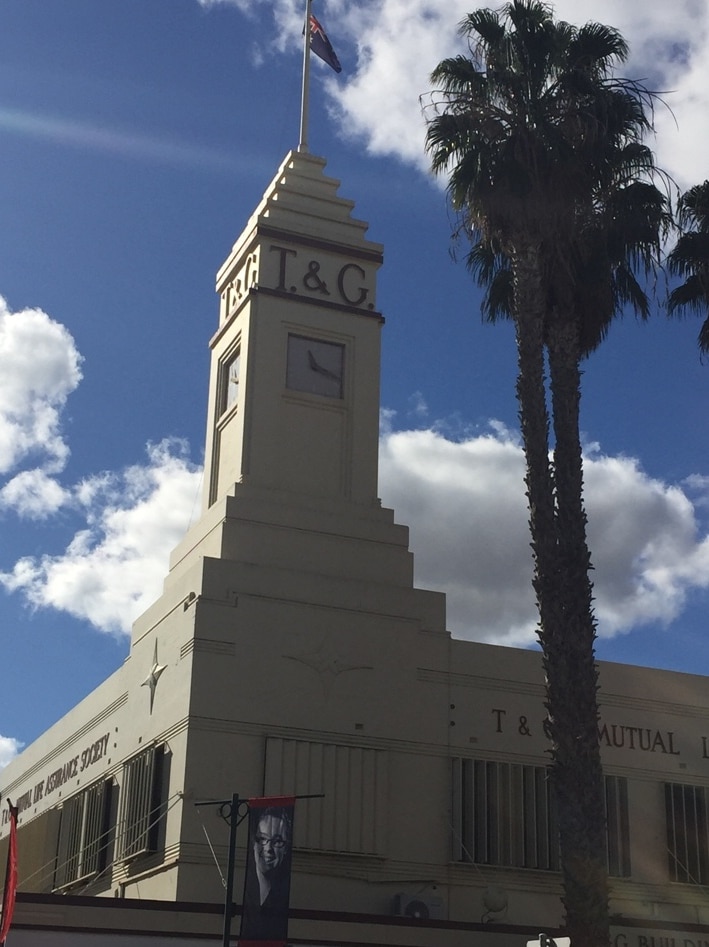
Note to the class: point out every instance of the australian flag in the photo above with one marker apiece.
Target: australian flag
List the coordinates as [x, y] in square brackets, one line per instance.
[321, 45]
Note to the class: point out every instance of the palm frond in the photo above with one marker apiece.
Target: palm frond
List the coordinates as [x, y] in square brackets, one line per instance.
[693, 207]
[491, 270]
[596, 48]
[703, 338]
[689, 296]
[482, 26]
[690, 254]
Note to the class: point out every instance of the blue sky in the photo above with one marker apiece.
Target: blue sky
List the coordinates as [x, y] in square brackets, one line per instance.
[136, 137]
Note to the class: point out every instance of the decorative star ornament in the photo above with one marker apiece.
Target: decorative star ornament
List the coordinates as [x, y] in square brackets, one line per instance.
[152, 679]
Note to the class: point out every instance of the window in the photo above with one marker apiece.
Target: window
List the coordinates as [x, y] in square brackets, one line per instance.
[686, 812]
[140, 803]
[230, 381]
[504, 814]
[83, 835]
[618, 826]
[225, 467]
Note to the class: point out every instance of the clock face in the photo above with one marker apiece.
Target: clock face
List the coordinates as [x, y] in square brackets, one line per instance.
[315, 366]
[231, 393]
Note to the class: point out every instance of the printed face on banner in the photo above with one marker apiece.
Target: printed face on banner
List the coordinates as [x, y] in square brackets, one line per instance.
[272, 844]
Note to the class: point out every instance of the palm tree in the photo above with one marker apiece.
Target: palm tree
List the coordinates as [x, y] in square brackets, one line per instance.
[690, 259]
[543, 147]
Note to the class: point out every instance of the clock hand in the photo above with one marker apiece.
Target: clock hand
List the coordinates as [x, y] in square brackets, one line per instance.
[311, 361]
[316, 367]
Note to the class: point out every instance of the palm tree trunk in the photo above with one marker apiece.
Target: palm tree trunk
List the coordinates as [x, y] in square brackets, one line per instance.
[534, 425]
[564, 599]
[572, 686]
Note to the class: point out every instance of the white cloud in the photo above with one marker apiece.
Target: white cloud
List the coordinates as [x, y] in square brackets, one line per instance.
[33, 494]
[39, 368]
[464, 503]
[114, 566]
[395, 44]
[9, 748]
[647, 548]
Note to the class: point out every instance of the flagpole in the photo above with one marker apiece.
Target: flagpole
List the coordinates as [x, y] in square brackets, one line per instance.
[305, 98]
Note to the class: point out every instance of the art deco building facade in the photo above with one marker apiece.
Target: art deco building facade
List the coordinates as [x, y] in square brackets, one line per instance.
[291, 653]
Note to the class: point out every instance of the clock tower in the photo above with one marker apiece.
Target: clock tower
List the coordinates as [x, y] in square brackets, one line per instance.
[294, 389]
[290, 607]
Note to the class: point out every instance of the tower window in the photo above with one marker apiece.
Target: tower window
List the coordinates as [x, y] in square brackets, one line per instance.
[230, 381]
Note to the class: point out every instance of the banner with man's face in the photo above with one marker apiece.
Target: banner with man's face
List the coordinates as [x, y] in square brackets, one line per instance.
[264, 916]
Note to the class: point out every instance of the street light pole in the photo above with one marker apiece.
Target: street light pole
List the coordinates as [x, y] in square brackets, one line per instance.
[229, 895]
[229, 811]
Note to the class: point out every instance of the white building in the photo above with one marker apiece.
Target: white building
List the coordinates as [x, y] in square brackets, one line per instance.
[291, 653]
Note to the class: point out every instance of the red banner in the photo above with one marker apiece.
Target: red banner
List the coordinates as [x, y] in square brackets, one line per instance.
[264, 916]
[10, 889]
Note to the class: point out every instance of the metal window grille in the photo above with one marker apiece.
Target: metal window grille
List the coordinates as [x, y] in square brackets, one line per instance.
[687, 843]
[140, 795]
[618, 826]
[84, 829]
[504, 814]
